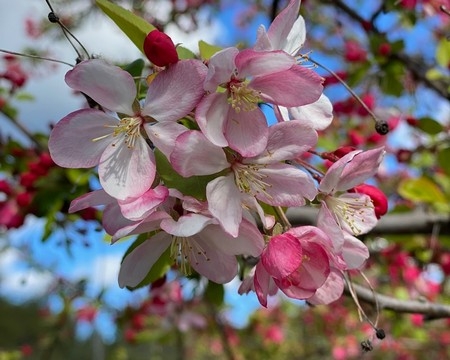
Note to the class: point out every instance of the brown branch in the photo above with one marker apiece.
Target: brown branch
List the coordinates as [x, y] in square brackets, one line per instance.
[414, 222]
[431, 311]
[417, 66]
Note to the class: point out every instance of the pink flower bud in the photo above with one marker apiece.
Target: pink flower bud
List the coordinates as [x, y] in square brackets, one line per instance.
[377, 196]
[354, 52]
[384, 49]
[160, 49]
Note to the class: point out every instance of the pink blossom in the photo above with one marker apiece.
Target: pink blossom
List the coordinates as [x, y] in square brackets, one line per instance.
[231, 116]
[288, 33]
[299, 263]
[90, 137]
[197, 242]
[264, 177]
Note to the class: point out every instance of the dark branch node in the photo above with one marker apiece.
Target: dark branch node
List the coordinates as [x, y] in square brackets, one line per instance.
[382, 127]
[53, 18]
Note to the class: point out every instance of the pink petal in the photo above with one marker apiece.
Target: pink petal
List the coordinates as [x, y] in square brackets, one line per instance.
[127, 172]
[287, 186]
[210, 115]
[109, 85]
[142, 206]
[263, 42]
[163, 135]
[249, 241]
[287, 140]
[330, 182]
[175, 91]
[282, 256]
[362, 166]
[93, 198]
[247, 131]
[295, 86]
[186, 225]
[224, 200]
[328, 223]
[318, 114]
[216, 266]
[138, 262]
[354, 252]
[330, 291]
[262, 282]
[194, 154]
[260, 64]
[220, 68]
[71, 141]
[296, 37]
[282, 27]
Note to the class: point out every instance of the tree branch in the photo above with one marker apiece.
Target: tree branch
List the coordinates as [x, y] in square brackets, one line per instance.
[414, 222]
[417, 66]
[431, 311]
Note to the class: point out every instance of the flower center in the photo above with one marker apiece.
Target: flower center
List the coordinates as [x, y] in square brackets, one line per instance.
[351, 211]
[250, 180]
[129, 127]
[242, 97]
[184, 251]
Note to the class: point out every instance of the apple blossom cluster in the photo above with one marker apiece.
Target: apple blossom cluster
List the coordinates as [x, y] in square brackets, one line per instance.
[201, 123]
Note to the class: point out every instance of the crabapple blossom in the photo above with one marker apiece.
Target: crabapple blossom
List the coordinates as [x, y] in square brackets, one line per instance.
[196, 241]
[287, 32]
[298, 262]
[237, 81]
[264, 177]
[90, 137]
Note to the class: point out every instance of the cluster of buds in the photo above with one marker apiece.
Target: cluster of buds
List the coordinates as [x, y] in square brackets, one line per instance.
[16, 194]
[190, 166]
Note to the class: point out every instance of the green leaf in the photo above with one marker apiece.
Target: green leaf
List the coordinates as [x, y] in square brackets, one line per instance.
[135, 27]
[207, 50]
[434, 74]
[135, 68]
[214, 293]
[443, 160]
[184, 53]
[391, 78]
[430, 126]
[422, 190]
[443, 52]
[193, 186]
[24, 96]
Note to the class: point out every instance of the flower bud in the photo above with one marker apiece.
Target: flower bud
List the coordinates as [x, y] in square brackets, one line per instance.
[378, 198]
[160, 49]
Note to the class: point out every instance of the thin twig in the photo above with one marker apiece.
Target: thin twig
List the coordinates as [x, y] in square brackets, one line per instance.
[36, 57]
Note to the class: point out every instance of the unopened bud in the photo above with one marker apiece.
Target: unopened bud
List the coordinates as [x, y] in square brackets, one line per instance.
[380, 334]
[378, 198]
[160, 49]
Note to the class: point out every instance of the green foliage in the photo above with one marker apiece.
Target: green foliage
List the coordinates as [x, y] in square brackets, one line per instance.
[430, 126]
[135, 27]
[443, 52]
[214, 293]
[207, 50]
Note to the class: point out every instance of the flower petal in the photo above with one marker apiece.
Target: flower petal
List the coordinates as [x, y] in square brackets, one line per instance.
[142, 206]
[330, 291]
[175, 91]
[259, 64]
[224, 203]
[318, 114]
[93, 198]
[282, 256]
[286, 186]
[220, 68]
[247, 131]
[71, 141]
[109, 85]
[216, 266]
[354, 252]
[194, 154]
[187, 225]
[210, 115]
[295, 86]
[140, 260]
[287, 140]
[127, 172]
[163, 135]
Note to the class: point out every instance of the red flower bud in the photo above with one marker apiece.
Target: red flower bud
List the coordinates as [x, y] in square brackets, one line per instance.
[376, 195]
[412, 121]
[160, 49]
[24, 199]
[384, 49]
